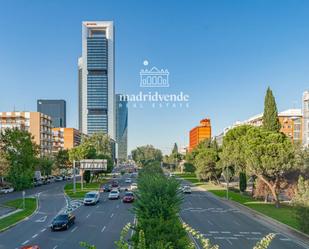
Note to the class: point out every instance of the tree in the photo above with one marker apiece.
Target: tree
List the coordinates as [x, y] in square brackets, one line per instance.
[62, 160]
[269, 155]
[45, 165]
[270, 116]
[87, 176]
[242, 182]
[301, 202]
[175, 149]
[20, 152]
[4, 165]
[100, 142]
[146, 154]
[189, 167]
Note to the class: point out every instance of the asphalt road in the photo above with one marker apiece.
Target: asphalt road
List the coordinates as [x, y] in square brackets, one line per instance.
[227, 226]
[99, 225]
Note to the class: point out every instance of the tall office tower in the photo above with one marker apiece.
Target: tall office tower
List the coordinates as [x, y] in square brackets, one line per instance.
[56, 109]
[305, 103]
[96, 81]
[122, 127]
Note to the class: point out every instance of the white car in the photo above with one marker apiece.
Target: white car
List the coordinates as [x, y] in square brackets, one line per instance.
[133, 186]
[114, 194]
[186, 189]
[128, 180]
[92, 198]
[6, 190]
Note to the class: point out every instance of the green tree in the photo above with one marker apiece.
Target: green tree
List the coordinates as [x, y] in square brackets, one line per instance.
[146, 154]
[242, 182]
[270, 116]
[62, 160]
[175, 149]
[20, 152]
[87, 176]
[45, 165]
[100, 142]
[269, 155]
[189, 167]
[4, 165]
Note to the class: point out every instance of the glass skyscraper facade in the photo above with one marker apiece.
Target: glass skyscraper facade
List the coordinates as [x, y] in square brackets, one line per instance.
[96, 79]
[56, 109]
[122, 127]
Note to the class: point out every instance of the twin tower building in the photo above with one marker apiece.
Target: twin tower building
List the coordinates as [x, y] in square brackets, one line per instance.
[100, 108]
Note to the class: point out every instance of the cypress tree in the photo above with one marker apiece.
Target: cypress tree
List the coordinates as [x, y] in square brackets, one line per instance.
[270, 116]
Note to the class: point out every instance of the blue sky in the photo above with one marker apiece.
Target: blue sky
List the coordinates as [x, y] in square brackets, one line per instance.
[223, 54]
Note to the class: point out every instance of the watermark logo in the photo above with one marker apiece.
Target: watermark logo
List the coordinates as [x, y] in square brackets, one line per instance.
[154, 77]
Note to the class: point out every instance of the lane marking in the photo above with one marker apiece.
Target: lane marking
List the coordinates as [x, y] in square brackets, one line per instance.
[55, 247]
[73, 230]
[117, 206]
[43, 230]
[112, 215]
[213, 232]
[255, 232]
[225, 232]
[285, 239]
[88, 215]
[102, 230]
[209, 222]
[27, 241]
[34, 236]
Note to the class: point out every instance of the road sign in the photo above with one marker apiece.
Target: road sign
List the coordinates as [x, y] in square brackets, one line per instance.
[93, 164]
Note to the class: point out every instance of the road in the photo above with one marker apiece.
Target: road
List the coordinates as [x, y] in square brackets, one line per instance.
[227, 226]
[99, 225]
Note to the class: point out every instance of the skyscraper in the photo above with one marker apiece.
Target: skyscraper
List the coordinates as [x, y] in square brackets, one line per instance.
[122, 127]
[96, 79]
[56, 109]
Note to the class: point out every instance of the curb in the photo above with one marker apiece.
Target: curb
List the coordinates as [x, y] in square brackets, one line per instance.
[26, 218]
[266, 220]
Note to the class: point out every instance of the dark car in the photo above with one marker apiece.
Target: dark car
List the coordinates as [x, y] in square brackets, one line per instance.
[106, 188]
[62, 222]
[115, 184]
[128, 197]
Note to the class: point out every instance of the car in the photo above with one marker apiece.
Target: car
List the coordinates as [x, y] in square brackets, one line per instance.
[30, 247]
[58, 178]
[128, 197]
[133, 186]
[106, 188]
[186, 189]
[92, 198]
[114, 194]
[115, 184]
[62, 222]
[69, 177]
[128, 180]
[6, 190]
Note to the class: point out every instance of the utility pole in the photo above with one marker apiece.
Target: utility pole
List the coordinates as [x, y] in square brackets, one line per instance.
[24, 204]
[74, 178]
[227, 183]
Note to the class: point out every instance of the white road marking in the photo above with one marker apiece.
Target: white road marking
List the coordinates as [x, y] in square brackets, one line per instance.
[34, 236]
[97, 206]
[244, 232]
[255, 232]
[27, 241]
[209, 222]
[43, 230]
[73, 229]
[213, 232]
[225, 232]
[102, 230]
[88, 215]
[55, 247]
[112, 215]
[285, 239]
[42, 219]
[229, 241]
[236, 223]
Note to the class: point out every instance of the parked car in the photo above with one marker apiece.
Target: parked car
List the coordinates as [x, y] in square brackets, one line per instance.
[128, 197]
[69, 177]
[6, 190]
[114, 194]
[186, 189]
[92, 198]
[58, 178]
[30, 247]
[128, 180]
[62, 222]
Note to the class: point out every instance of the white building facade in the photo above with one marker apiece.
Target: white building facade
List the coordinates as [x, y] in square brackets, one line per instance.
[305, 107]
[97, 79]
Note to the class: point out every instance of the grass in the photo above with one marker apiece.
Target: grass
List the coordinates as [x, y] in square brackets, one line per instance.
[30, 207]
[93, 186]
[285, 214]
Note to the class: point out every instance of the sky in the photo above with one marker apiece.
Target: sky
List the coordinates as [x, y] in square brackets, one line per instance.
[223, 54]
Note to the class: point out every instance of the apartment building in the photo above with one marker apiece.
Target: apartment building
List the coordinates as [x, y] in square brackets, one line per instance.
[65, 138]
[200, 133]
[38, 124]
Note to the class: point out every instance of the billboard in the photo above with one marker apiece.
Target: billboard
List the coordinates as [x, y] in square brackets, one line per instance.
[93, 164]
